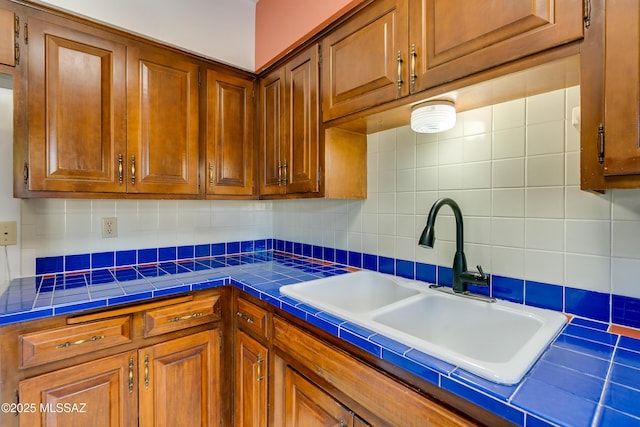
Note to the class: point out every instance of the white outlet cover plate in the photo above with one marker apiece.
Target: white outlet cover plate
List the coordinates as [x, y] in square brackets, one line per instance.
[8, 233]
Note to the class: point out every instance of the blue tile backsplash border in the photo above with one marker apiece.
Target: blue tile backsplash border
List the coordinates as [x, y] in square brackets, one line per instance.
[614, 309]
[589, 376]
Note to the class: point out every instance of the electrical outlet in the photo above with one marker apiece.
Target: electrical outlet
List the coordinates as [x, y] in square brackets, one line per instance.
[8, 233]
[110, 227]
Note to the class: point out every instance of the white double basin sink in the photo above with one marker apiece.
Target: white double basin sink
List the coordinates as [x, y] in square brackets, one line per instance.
[497, 341]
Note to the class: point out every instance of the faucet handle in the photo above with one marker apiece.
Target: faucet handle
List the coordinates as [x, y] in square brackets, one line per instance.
[481, 271]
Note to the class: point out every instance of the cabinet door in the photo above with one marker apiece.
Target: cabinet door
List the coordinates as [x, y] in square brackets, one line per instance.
[76, 109]
[456, 38]
[8, 37]
[250, 382]
[306, 405]
[101, 393]
[365, 60]
[180, 382]
[301, 152]
[271, 132]
[162, 131]
[622, 88]
[230, 148]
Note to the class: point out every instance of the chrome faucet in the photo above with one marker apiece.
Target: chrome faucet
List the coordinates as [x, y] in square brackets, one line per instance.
[461, 277]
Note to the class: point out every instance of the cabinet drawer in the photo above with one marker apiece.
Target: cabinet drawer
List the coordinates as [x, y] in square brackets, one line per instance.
[41, 347]
[253, 318]
[181, 316]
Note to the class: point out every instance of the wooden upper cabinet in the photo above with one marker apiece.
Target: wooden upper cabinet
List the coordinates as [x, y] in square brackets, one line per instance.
[394, 48]
[230, 150]
[162, 133]
[365, 60]
[610, 93]
[271, 132]
[290, 127]
[455, 38]
[622, 86]
[301, 155]
[76, 109]
[179, 382]
[9, 25]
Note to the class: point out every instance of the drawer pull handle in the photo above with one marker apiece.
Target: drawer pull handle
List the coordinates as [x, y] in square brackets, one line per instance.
[187, 317]
[131, 375]
[146, 371]
[86, 340]
[400, 81]
[120, 169]
[133, 170]
[259, 361]
[414, 76]
[245, 317]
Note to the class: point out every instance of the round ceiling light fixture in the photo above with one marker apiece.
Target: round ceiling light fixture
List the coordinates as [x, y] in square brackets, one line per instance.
[433, 116]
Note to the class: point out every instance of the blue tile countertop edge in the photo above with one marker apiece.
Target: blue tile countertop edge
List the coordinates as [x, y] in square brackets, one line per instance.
[587, 377]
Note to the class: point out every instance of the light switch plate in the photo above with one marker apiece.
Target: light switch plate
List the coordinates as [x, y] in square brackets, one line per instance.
[8, 233]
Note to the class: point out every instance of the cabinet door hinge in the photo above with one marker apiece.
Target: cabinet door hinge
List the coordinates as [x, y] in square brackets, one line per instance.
[601, 144]
[25, 173]
[319, 176]
[587, 14]
[319, 55]
[26, 33]
[17, 399]
[199, 78]
[16, 30]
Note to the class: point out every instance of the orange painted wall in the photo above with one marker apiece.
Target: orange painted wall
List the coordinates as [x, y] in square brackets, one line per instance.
[282, 25]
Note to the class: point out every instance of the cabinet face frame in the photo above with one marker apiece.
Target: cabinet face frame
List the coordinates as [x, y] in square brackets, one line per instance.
[76, 105]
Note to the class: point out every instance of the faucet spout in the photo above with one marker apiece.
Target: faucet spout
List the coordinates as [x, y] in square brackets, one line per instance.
[460, 276]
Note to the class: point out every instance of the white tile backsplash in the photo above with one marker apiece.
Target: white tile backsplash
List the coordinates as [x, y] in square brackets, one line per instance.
[513, 168]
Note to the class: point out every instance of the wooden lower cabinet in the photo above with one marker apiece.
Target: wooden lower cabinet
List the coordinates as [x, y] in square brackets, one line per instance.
[174, 383]
[155, 363]
[366, 391]
[101, 393]
[306, 405]
[179, 382]
[251, 375]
